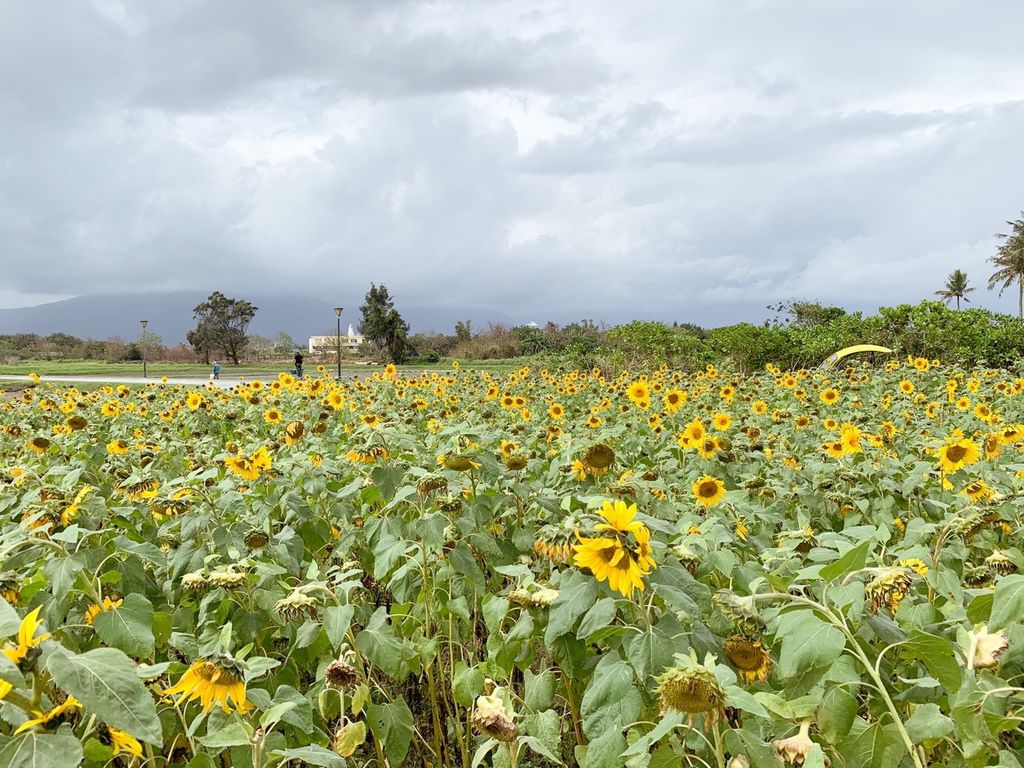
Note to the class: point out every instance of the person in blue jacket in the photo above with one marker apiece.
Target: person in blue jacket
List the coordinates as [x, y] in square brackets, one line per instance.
[216, 369]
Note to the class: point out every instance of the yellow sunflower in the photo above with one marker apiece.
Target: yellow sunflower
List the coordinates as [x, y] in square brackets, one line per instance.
[639, 394]
[610, 560]
[27, 638]
[619, 517]
[117, 446]
[214, 680]
[124, 743]
[958, 454]
[51, 718]
[708, 491]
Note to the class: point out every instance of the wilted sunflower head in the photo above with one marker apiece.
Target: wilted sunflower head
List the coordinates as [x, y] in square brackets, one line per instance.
[341, 675]
[298, 604]
[432, 483]
[458, 463]
[599, 458]
[39, 444]
[742, 611]
[493, 718]
[515, 462]
[692, 688]
[227, 579]
[196, 581]
[749, 657]
[970, 522]
[889, 587]
[1000, 563]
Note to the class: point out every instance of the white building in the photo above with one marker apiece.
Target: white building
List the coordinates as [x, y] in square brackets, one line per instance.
[349, 342]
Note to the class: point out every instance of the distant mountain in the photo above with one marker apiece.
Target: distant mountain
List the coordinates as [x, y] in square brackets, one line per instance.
[170, 316]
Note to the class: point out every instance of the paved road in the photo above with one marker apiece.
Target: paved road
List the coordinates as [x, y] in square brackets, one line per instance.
[222, 382]
[225, 382]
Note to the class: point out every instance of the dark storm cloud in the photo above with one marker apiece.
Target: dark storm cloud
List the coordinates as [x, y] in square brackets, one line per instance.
[687, 160]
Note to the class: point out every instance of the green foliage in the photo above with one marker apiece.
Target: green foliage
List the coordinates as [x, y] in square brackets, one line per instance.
[649, 343]
[222, 323]
[383, 326]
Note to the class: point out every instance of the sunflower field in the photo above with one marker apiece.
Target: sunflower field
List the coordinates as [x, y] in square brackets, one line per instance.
[538, 568]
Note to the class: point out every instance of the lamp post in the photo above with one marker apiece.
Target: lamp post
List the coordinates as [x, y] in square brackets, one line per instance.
[337, 312]
[143, 323]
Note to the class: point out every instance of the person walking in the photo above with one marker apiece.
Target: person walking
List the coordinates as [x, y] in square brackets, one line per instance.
[216, 370]
[298, 364]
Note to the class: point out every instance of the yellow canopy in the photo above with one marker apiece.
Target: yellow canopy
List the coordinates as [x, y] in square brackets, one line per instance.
[837, 356]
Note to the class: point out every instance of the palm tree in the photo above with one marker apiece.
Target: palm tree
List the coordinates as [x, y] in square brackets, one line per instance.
[956, 288]
[1009, 263]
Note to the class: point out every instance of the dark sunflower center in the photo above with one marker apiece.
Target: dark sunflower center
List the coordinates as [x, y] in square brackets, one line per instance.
[956, 453]
[707, 489]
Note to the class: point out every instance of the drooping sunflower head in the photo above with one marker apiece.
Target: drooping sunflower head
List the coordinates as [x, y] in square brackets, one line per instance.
[1000, 563]
[341, 675]
[293, 432]
[458, 463]
[493, 717]
[298, 604]
[515, 462]
[971, 522]
[216, 679]
[38, 444]
[889, 587]
[692, 688]
[599, 458]
[749, 657]
[742, 611]
[432, 483]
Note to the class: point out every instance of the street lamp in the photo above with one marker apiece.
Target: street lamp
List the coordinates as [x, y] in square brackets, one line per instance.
[337, 312]
[143, 323]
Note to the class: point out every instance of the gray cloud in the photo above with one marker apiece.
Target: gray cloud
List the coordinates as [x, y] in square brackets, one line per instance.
[689, 161]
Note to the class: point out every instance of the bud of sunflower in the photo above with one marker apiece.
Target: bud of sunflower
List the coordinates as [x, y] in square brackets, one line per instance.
[739, 761]
[196, 581]
[492, 718]
[692, 688]
[227, 579]
[296, 605]
[986, 647]
[341, 675]
[795, 749]
[1000, 563]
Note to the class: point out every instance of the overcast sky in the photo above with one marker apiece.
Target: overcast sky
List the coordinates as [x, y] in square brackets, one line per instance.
[689, 160]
